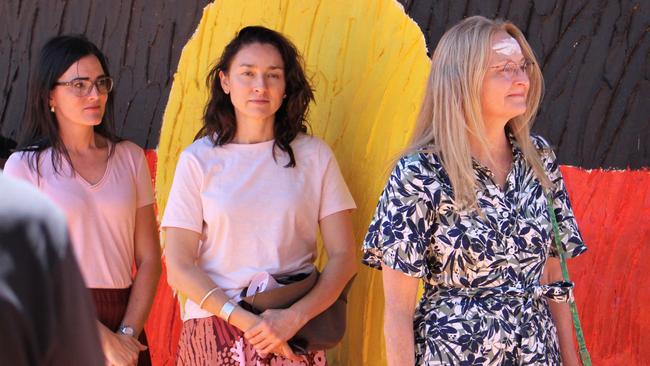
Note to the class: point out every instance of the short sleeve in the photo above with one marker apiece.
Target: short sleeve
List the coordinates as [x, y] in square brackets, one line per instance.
[144, 187]
[401, 230]
[570, 237]
[17, 166]
[184, 208]
[335, 195]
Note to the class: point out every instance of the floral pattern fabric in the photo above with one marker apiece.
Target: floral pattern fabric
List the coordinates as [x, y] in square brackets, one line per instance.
[483, 303]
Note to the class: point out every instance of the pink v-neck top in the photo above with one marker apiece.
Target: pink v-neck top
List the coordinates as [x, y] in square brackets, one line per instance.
[101, 216]
[253, 214]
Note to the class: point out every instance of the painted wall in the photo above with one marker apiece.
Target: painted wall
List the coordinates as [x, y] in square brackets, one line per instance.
[142, 40]
[368, 60]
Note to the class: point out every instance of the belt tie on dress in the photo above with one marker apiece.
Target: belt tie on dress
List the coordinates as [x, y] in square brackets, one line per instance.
[559, 291]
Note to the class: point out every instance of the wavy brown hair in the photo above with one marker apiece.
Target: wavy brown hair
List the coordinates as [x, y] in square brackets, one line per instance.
[219, 121]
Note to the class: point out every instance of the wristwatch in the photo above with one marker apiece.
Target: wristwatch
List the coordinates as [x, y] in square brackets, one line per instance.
[126, 330]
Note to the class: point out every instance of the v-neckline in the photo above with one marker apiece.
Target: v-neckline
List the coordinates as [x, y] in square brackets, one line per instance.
[95, 185]
[511, 170]
[490, 175]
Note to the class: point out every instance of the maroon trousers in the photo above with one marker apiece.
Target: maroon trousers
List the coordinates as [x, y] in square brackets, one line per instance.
[111, 307]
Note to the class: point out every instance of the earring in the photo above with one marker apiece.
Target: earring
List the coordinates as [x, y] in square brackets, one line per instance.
[52, 108]
[284, 96]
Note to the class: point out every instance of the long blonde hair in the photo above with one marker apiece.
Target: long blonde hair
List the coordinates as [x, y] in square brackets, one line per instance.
[451, 109]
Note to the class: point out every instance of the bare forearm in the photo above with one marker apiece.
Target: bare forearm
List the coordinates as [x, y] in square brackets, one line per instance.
[398, 333]
[148, 268]
[563, 323]
[194, 283]
[143, 292]
[335, 276]
[338, 239]
[561, 313]
[399, 306]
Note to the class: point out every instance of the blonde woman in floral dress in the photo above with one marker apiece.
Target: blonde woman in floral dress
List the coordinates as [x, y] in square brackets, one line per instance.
[465, 210]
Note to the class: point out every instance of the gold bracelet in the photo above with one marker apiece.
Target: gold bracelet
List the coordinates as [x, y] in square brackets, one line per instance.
[207, 294]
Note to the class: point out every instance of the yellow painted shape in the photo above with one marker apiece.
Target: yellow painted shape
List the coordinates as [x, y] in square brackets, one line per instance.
[367, 61]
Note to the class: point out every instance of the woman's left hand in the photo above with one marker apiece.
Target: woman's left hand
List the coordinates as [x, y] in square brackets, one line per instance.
[276, 327]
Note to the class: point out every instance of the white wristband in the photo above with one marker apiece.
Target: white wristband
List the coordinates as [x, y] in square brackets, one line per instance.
[226, 310]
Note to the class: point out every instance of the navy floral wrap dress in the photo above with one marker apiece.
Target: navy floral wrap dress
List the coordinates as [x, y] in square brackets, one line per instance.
[483, 303]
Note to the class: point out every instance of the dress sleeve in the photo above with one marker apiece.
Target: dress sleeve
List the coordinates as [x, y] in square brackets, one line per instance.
[144, 187]
[568, 226]
[184, 207]
[335, 195]
[401, 230]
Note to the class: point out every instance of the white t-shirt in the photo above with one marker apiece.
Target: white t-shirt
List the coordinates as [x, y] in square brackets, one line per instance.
[101, 216]
[254, 214]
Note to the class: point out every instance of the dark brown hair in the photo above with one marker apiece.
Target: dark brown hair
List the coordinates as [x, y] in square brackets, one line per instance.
[42, 130]
[219, 121]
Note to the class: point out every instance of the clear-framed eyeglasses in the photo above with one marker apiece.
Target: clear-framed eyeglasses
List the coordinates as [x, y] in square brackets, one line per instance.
[81, 87]
[511, 69]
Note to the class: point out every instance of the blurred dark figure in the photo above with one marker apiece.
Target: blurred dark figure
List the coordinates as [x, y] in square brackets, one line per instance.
[6, 148]
[46, 315]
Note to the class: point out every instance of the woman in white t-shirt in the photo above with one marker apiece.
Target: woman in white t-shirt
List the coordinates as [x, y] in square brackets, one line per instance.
[248, 197]
[100, 182]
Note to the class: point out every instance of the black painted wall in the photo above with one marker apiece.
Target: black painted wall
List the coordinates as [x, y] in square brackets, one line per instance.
[596, 64]
[594, 54]
[142, 39]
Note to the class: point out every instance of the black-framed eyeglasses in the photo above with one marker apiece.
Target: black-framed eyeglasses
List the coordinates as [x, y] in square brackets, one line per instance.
[81, 87]
[511, 69]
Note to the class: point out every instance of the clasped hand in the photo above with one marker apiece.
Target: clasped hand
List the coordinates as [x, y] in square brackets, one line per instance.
[271, 334]
[121, 350]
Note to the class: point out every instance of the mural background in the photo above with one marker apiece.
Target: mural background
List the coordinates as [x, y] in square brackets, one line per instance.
[368, 61]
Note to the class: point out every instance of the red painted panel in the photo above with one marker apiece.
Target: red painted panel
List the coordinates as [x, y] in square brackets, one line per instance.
[164, 324]
[613, 276]
[152, 160]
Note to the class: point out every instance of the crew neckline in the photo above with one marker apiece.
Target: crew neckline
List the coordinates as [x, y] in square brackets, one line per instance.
[255, 145]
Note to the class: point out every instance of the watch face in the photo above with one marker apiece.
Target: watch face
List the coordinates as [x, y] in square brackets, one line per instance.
[125, 329]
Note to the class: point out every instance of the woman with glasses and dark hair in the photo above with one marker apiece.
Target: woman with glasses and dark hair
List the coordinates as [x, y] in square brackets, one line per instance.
[248, 198]
[103, 185]
[465, 210]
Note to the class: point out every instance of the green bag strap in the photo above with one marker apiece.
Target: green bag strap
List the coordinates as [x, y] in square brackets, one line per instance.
[582, 346]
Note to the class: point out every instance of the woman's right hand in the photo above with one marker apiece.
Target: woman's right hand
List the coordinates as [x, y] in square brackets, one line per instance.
[120, 349]
[245, 320]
